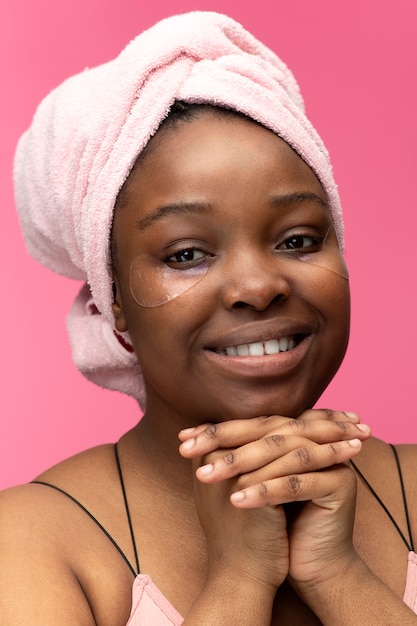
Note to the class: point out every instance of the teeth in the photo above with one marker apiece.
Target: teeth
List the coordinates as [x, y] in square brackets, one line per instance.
[283, 344]
[243, 350]
[256, 349]
[259, 348]
[272, 346]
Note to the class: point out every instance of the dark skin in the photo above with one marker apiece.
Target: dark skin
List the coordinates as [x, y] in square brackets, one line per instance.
[196, 166]
[198, 540]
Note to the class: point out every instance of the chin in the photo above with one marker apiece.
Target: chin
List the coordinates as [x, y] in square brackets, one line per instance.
[253, 405]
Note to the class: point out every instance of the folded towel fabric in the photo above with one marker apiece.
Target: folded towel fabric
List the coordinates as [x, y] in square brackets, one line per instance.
[85, 138]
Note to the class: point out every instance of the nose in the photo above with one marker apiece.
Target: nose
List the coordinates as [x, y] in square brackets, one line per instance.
[254, 281]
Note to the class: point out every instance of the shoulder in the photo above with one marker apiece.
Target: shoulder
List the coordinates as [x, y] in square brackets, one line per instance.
[376, 452]
[407, 453]
[34, 561]
[55, 508]
[89, 463]
[49, 547]
[32, 513]
[407, 456]
[378, 464]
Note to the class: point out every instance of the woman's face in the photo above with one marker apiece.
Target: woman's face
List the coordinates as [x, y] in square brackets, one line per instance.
[231, 207]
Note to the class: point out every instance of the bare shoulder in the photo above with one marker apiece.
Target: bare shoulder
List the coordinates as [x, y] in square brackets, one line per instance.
[35, 568]
[407, 453]
[377, 463]
[86, 466]
[49, 547]
[82, 476]
[376, 453]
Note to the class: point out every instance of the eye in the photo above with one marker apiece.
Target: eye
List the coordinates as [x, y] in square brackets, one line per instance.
[301, 242]
[186, 258]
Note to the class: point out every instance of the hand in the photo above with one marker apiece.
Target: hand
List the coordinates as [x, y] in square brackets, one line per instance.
[251, 544]
[271, 448]
[277, 460]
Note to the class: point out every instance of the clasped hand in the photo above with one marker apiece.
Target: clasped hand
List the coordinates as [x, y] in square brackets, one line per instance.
[276, 496]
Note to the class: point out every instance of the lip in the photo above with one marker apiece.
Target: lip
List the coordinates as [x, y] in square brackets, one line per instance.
[266, 366]
[254, 332]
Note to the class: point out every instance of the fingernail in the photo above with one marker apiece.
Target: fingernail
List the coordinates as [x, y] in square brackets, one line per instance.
[351, 415]
[206, 469]
[238, 496]
[187, 445]
[354, 443]
[363, 427]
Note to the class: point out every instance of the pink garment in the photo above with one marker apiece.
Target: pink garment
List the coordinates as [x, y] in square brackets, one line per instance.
[410, 593]
[151, 608]
[87, 133]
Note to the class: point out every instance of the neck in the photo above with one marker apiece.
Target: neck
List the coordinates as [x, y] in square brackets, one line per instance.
[151, 449]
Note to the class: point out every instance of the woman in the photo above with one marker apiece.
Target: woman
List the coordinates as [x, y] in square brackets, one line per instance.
[185, 184]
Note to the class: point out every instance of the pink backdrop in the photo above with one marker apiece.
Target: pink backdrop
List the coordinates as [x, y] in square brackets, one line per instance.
[356, 63]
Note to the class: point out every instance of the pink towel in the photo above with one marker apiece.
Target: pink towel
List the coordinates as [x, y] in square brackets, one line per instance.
[87, 133]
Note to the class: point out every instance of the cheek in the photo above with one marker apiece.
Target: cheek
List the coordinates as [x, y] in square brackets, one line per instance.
[329, 294]
[327, 291]
[157, 334]
[334, 303]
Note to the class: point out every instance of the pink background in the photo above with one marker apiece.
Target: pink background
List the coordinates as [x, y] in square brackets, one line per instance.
[356, 63]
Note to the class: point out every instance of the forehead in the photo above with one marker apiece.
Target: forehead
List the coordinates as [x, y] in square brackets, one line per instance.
[219, 149]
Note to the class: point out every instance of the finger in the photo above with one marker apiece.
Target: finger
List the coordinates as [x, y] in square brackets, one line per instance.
[238, 429]
[330, 414]
[237, 433]
[189, 433]
[225, 435]
[325, 488]
[278, 455]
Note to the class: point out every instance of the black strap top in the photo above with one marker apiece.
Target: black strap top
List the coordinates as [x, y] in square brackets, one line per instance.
[136, 570]
[409, 543]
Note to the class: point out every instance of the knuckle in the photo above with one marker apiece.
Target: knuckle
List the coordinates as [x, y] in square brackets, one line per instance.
[297, 424]
[274, 441]
[229, 458]
[334, 449]
[263, 490]
[212, 431]
[262, 423]
[293, 484]
[342, 426]
[303, 455]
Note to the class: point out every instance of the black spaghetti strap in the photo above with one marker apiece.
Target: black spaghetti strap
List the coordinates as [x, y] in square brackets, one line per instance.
[91, 516]
[409, 543]
[407, 515]
[129, 519]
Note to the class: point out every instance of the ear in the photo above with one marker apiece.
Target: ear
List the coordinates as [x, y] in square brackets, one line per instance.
[117, 306]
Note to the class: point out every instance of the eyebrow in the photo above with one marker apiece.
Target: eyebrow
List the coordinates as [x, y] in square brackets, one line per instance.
[298, 197]
[177, 208]
[181, 208]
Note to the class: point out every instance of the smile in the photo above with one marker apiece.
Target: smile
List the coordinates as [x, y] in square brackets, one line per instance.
[260, 348]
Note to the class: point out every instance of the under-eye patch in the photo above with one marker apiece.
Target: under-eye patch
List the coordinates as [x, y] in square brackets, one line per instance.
[154, 282]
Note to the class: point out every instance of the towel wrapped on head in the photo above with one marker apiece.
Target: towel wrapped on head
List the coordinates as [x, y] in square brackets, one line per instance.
[86, 135]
